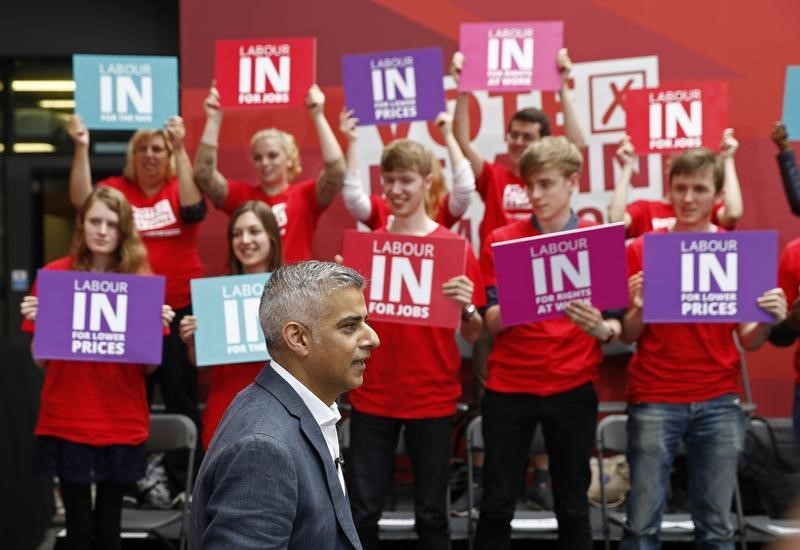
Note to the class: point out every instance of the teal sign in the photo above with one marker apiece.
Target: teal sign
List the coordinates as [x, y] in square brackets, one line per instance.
[791, 102]
[125, 92]
[228, 329]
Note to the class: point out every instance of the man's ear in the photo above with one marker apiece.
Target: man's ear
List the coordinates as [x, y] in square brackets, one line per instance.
[574, 181]
[297, 338]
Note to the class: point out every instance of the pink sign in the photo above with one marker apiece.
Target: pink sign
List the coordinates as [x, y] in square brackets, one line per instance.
[405, 275]
[677, 118]
[538, 276]
[512, 56]
[264, 73]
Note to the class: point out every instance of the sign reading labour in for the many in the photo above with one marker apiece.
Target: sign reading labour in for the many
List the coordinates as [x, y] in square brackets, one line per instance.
[125, 92]
[228, 328]
[264, 73]
[708, 277]
[87, 316]
[538, 276]
[405, 275]
[398, 86]
[672, 119]
[519, 55]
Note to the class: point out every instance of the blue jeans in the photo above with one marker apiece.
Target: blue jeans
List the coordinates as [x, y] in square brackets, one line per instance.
[713, 434]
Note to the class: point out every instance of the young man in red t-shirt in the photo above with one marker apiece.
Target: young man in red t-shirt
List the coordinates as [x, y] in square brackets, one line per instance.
[297, 205]
[543, 372]
[413, 378]
[643, 216]
[683, 384]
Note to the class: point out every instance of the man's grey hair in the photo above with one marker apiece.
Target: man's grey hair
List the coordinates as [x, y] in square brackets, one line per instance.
[298, 292]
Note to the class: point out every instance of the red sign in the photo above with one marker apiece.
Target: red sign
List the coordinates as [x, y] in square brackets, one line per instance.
[405, 275]
[265, 73]
[674, 119]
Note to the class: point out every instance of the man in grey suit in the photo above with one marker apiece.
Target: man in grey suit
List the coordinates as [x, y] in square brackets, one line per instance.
[272, 475]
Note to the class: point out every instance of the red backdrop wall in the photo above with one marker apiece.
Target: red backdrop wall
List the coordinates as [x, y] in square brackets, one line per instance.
[746, 45]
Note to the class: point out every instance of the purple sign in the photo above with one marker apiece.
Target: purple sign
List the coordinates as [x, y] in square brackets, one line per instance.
[708, 277]
[513, 56]
[86, 316]
[399, 86]
[538, 276]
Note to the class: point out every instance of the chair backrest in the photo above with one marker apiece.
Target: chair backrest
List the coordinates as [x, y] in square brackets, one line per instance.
[612, 435]
[169, 432]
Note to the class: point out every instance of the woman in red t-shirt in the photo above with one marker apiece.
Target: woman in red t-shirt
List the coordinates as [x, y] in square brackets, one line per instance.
[93, 415]
[254, 246]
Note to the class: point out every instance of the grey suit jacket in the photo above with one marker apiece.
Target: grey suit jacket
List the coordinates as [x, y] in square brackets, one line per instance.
[268, 480]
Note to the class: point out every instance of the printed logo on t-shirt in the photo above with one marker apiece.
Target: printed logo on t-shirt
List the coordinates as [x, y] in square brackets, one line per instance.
[279, 210]
[154, 217]
[516, 203]
[663, 223]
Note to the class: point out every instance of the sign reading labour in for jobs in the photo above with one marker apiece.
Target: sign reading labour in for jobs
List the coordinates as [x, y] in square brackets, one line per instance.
[708, 277]
[405, 275]
[264, 73]
[86, 316]
[538, 276]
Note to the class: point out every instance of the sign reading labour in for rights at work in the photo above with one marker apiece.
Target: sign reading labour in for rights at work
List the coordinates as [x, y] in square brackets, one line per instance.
[264, 73]
[708, 277]
[228, 328]
[405, 275]
[538, 276]
[125, 92]
[86, 316]
[398, 86]
[514, 56]
[675, 119]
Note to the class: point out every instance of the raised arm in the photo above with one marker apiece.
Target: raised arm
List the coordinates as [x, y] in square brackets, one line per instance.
[80, 174]
[572, 125]
[187, 329]
[733, 205]
[188, 192]
[355, 198]
[461, 118]
[463, 178]
[752, 335]
[619, 199]
[787, 163]
[330, 181]
[208, 179]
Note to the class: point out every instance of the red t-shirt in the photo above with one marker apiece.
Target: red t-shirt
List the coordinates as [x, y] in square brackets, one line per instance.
[92, 402]
[681, 362]
[647, 216]
[380, 212]
[789, 280]
[504, 196]
[542, 358]
[225, 382]
[414, 373]
[296, 209]
[171, 242]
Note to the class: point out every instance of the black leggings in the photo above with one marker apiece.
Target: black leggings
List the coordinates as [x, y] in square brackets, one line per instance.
[101, 524]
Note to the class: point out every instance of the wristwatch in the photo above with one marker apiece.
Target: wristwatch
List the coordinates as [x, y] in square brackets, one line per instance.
[611, 334]
[468, 312]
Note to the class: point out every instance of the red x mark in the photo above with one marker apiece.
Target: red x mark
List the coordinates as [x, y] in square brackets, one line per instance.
[618, 96]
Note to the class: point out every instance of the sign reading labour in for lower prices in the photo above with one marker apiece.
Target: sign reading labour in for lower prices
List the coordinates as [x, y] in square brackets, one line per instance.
[708, 277]
[512, 56]
[125, 92]
[228, 328]
[398, 86]
[538, 276]
[673, 119]
[87, 316]
[264, 73]
[405, 275]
